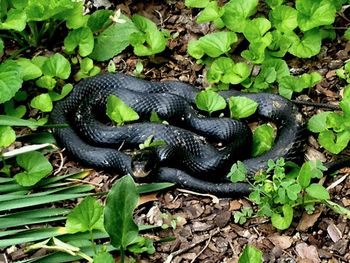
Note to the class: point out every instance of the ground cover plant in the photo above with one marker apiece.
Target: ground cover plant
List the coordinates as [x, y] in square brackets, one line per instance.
[284, 47]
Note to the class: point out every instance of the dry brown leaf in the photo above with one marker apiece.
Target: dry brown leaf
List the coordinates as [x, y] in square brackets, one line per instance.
[283, 242]
[334, 232]
[307, 252]
[235, 205]
[308, 221]
[147, 198]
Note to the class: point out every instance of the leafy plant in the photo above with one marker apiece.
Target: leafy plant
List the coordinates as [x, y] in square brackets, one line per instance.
[278, 192]
[120, 112]
[251, 254]
[333, 127]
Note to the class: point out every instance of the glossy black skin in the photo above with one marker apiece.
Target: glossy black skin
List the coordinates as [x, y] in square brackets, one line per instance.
[187, 159]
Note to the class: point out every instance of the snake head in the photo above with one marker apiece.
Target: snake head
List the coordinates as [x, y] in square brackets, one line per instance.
[143, 163]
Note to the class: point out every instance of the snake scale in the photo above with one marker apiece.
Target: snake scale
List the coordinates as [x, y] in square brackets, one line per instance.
[198, 150]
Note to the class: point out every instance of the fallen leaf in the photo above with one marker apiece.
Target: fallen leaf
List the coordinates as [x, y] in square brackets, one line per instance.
[334, 232]
[306, 252]
[147, 198]
[308, 221]
[235, 205]
[283, 242]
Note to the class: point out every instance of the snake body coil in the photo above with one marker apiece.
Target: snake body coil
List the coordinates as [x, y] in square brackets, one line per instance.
[188, 158]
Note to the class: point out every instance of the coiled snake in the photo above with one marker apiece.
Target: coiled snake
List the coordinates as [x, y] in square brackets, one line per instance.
[188, 157]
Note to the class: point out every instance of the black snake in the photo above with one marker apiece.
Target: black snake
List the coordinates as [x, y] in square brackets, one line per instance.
[188, 157]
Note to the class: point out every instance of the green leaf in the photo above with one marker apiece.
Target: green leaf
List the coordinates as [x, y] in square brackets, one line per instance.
[13, 111]
[66, 89]
[107, 45]
[236, 13]
[292, 191]
[210, 101]
[103, 257]
[283, 222]
[284, 18]
[318, 191]
[7, 136]
[346, 34]
[305, 175]
[119, 222]
[29, 69]
[210, 13]
[57, 66]
[196, 3]
[256, 29]
[120, 112]
[308, 46]
[274, 3]
[251, 254]
[149, 40]
[99, 20]
[312, 13]
[225, 70]
[42, 102]
[1, 48]
[213, 45]
[46, 82]
[238, 172]
[241, 107]
[15, 20]
[318, 122]
[36, 167]
[263, 138]
[333, 142]
[10, 80]
[86, 216]
[81, 37]
[6, 120]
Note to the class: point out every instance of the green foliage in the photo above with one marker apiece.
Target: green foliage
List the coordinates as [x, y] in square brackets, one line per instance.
[35, 166]
[279, 194]
[148, 40]
[251, 254]
[86, 216]
[333, 127]
[210, 101]
[241, 107]
[263, 139]
[10, 80]
[237, 172]
[240, 217]
[81, 37]
[87, 69]
[120, 112]
[7, 136]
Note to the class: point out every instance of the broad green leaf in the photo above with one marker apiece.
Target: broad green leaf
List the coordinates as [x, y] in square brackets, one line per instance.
[15, 20]
[1, 48]
[318, 191]
[347, 34]
[274, 3]
[251, 254]
[238, 172]
[305, 175]
[196, 3]
[210, 13]
[12, 110]
[292, 191]
[120, 112]
[256, 29]
[86, 216]
[103, 257]
[82, 38]
[308, 46]
[236, 13]
[256, 51]
[318, 122]
[241, 107]
[46, 82]
[57, 66]
[312, 13]
[148, 40]
[42, 102]
[310, 79]
[225, 70]
[263, 138]
[107, 45]
[7, 136]
[119, 222]
[210, 101]
[36, 167]
[66, 89]
[29, 69]
[99, 20]
[214, 44]
[284, 18]
[282, 222]
[6, 120]
[333, 142]
[10, 80]
[74, 17]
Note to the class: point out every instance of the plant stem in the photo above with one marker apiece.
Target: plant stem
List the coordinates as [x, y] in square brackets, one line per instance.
[34, 31]
[122, 255]
[91, 235]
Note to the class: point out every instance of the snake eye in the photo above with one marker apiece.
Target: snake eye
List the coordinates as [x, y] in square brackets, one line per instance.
[143, 163]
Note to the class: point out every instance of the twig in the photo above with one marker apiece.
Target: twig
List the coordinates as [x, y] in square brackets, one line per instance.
[61, 163]
[180, 251]
[339, 181]
[213, 197]
[204, 248]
